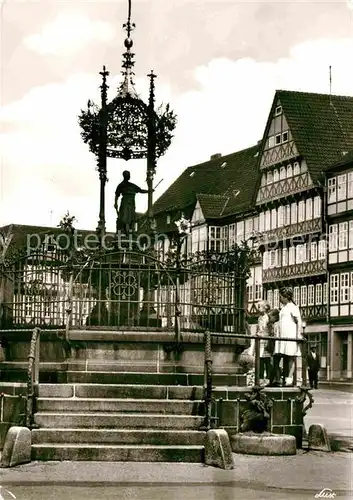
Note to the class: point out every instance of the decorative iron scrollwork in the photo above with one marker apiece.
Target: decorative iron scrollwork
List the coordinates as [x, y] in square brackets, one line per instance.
[304, 393]
[124, 284]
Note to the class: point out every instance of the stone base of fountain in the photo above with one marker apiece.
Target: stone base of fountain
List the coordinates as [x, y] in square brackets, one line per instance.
[265, 443]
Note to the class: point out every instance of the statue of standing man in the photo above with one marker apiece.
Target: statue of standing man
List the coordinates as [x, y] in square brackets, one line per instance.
[127, 211]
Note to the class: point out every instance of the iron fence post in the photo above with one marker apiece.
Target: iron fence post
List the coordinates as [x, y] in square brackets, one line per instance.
[257, 361]
[207, 381]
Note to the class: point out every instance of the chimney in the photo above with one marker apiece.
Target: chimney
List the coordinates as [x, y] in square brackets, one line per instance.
[215, 156]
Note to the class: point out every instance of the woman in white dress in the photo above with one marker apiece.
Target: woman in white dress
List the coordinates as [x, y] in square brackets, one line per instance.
[290, 326]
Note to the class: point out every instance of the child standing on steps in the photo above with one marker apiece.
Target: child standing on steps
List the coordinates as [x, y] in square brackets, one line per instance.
[263, 331]
[273, 316]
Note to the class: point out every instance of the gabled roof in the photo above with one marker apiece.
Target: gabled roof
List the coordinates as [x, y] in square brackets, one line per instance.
[231, 178]
[212, 204]
[23, 235]
[321, 126]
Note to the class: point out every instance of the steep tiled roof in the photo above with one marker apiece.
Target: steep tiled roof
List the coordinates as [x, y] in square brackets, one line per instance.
[321, 125]
[212, 204]
[232, 178]
[23, 235]
[346, 160]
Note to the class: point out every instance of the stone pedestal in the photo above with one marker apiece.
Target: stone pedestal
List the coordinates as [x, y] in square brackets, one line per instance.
[263, 444]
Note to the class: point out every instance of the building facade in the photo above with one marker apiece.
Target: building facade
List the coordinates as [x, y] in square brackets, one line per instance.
[291, 197]
[340, 266]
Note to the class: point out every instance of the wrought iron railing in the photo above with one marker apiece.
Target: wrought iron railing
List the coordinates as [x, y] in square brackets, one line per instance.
[211, 421]
[126, 290]
[32, 377]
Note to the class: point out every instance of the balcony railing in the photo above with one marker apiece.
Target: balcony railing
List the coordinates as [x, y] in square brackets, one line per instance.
[284, 188]
[286, 232]
[302, 270]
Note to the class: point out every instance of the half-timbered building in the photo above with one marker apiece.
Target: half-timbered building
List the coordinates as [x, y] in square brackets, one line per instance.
[340, 265]
[283, 183]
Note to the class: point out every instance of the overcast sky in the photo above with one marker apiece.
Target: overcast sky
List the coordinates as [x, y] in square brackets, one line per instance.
[218, 64]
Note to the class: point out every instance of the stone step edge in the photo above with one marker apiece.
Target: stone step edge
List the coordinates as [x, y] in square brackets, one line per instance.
[118, 446]
[113, 414]
[120, 400]
[115, 430]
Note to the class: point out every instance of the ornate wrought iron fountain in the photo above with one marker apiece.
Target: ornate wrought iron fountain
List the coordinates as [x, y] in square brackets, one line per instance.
[127, 127]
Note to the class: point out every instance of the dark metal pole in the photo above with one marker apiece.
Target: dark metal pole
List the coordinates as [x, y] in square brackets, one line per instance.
[151, 146]
[257, 361]
[207, 381]
[102, 153]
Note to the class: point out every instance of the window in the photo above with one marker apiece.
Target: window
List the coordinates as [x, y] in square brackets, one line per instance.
[269, 178]
[250, 290]
[317, 207]
[271, 141]
[278, 110]
[168, 217]
[303, 296]
[291, 256]
[334, 287]
[280, 221]
[350, 185]
[278, 139]
[332, 190]
[293, 213]
[262, 222]
[273, 258]
[318, 294]
[344, 288]
[351, 234]
[305, 252]
[299, 254]
[309, 209]
[224, 239]
[285, 136]
[332, 238]
[341, 187]
[296, 295]
[231, 235]
[266, 259]
[324, 293]
[289, 170]
[270, 298]
[248, 228]
[240, 232]
[273, 218]
[313, 251]
[275, 175]
[301, 211]
[267, 220]
[215, 238]
[343, 236]
[285, 257]
[282, 173]
[322, 249]
[311, 295]
[352, 287]
[258, 283]
[287, 215]
[276, 298]
[296, 168]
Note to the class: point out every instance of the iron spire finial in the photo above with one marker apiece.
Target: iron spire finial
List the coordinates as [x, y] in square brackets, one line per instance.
[127, 85]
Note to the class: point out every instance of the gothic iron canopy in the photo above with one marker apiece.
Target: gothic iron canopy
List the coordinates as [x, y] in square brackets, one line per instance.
[128, 121]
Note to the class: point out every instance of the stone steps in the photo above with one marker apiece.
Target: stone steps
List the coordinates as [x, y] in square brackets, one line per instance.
[143, 378]
[118, 453]
[180, 407]
[118, 436]
[116, 420]
[120, 391]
